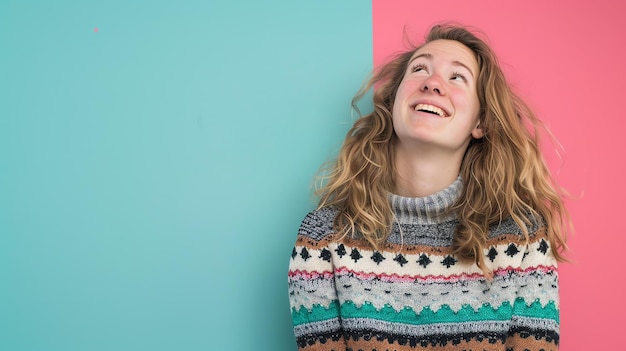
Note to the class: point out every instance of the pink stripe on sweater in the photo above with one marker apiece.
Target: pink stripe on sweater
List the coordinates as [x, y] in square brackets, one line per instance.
[301, 274]
[439, 278]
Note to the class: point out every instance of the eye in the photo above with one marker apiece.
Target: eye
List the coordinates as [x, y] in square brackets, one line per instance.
[458, 76]
[419, 67]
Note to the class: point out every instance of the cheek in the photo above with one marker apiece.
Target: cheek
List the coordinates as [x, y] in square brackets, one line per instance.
[476, 107]
[468, 102]
[473, 98]
[405, 89]
[397, 100]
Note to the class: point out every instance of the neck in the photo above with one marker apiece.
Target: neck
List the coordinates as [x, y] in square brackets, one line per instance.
[428, 209]
[424, 172]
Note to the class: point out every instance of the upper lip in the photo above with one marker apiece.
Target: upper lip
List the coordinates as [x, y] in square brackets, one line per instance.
[432, 103]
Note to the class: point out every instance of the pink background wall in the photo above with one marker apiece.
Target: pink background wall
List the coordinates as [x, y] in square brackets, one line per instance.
[567, 60]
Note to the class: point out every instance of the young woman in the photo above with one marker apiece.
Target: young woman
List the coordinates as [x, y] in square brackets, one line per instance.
[439, 226]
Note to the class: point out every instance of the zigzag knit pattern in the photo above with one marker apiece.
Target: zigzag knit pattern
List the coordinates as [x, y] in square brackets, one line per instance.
[414, 294]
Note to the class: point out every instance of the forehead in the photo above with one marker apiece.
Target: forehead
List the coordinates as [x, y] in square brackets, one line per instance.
[444, 50]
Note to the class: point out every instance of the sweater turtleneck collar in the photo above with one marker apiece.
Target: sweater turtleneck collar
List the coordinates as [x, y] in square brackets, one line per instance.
[428, 209]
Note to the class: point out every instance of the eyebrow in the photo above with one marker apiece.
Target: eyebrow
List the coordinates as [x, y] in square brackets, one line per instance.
[430, 57]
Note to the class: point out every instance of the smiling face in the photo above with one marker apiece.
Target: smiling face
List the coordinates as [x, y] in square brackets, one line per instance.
[436, 103]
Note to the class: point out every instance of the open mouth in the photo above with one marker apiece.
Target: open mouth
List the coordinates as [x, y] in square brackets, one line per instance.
[430, 109]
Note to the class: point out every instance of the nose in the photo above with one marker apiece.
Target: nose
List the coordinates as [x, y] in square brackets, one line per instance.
[432, 84]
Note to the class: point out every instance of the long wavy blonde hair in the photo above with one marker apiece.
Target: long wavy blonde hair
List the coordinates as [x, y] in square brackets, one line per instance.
[504, 173]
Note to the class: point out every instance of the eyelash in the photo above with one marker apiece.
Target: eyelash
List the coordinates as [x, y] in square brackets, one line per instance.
[456, 74]
[419, 66]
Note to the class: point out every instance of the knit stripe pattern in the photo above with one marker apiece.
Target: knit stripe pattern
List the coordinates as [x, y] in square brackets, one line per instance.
[413, 293]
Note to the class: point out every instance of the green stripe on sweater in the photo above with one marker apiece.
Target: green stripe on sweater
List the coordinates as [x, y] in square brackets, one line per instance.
[427, 316]
[317, 314]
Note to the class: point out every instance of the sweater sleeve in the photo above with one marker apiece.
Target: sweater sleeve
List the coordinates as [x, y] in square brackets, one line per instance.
[535, 320]
[313, 298]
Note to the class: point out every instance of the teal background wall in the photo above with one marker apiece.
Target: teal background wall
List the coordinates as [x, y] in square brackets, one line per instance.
[153, 173]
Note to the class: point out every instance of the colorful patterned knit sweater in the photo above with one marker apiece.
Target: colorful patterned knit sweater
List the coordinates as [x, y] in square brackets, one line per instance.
[413, 294]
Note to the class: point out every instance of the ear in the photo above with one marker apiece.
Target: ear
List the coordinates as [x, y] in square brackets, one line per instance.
[478, 132]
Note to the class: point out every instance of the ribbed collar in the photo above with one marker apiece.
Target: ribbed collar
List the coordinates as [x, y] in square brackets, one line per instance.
[426, 210]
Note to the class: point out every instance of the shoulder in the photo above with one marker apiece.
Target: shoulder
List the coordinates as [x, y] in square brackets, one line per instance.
[508, 226]
[318, 224]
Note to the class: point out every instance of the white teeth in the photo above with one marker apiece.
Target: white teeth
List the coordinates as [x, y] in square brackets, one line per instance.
[431, 108]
